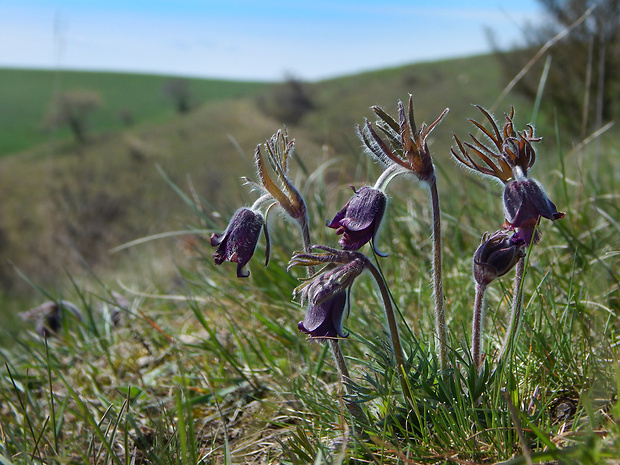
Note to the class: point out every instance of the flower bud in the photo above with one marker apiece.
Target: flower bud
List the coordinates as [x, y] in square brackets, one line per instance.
[496, 256]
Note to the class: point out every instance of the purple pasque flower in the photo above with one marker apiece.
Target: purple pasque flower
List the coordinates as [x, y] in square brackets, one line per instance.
[497, 255]
[359, 220]
[326, 292]
[238, 242]
[508, 155]
[525, 202]
[324, 319]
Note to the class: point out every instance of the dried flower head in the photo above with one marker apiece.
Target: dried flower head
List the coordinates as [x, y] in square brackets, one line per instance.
[359, 220]
[279, 151]
[406, 145]
[496, 256]
[238, 242]
[509, 149]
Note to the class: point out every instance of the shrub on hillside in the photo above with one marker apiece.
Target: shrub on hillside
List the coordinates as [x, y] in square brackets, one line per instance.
[288, 102]
[73, 108]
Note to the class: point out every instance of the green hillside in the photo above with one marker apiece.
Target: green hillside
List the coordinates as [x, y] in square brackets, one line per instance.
[26, 95]
[62, 184]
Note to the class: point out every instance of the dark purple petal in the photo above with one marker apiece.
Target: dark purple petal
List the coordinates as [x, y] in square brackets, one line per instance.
[360, 219]
[525, 202]
[335, 224]
[324, 320]
[238, 242]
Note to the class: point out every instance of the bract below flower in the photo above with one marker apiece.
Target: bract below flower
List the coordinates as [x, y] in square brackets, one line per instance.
[525, 202]
[324, 319]
[359, 220]
[238, 242]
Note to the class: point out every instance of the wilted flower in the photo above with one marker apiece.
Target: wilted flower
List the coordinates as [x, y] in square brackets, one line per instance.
[511, 149]
[525, 202]
[496, 256]
[407, 147]
[326, 292]
[238, 242]
[360, 219]
[279, 151]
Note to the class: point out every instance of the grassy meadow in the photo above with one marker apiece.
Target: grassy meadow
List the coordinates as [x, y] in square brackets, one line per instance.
[194, 365]
[26, 96]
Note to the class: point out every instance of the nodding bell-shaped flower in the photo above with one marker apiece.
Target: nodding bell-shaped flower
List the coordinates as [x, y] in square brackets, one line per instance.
[496, 256]
[406, 149]
[325, 319]
[525, 202]
[326, 292]
[238, 242]
[359, 220]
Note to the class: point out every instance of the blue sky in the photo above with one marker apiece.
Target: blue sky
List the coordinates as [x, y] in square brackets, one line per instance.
[243, 39]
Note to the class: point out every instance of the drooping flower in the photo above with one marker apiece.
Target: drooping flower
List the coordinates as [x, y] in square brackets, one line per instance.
[238, 242]
[525, 202]
[325, 319]
[326, 292]
[509, 160]
[406, 149]
[359, 220]
[496, 256]
[50, 316]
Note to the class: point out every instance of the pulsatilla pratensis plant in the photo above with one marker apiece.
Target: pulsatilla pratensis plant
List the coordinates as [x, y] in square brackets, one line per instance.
[402, 148]
[507, 156]
[238, 242]
[359, 220]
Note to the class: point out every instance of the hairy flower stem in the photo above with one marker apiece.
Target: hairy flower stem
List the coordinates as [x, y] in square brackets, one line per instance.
[307, 245]
[515, 314]
[440, 317]
[391, 318]
[476, 332]
[343, 372]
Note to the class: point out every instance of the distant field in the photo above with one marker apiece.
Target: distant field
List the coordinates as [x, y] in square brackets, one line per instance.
[25, 96]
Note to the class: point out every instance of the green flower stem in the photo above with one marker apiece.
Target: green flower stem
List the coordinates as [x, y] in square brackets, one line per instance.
[515, 314]
[440, 318]
[307, 244]
[391, 318]
[476, 332]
